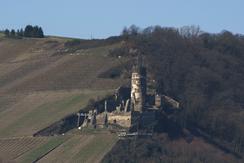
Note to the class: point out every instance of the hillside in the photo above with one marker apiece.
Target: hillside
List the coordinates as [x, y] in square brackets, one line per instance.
[205, 73]
[44, 80]
[161, 148]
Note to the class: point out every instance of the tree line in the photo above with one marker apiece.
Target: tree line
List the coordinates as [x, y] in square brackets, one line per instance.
[28, 31]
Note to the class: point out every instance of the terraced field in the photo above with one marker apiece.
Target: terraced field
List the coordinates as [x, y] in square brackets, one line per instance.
[39, 110]
[37, 153]
[42, 82]
[38, 67]
[83, 148]
[12, 148]
[39, 85]
[70, 148]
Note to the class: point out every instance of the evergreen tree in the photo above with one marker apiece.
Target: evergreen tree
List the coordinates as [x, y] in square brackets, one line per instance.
[28, 31]
[12, 33]
[35, 31]
[40, 33]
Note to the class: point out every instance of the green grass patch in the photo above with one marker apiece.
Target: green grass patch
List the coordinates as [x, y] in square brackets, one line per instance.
[48, 113]
[100, 144]
[44, 114]
[43, 149]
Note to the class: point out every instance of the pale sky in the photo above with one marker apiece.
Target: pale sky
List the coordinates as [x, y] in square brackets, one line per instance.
[104, 18]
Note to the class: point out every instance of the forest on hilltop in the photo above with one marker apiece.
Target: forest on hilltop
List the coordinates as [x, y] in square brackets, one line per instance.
[204, 71]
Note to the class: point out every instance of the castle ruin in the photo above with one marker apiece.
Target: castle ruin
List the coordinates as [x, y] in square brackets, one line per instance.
[131, 106]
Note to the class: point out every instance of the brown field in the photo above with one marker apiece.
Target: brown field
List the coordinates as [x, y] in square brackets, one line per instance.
[89, 148]
[82, 148]
[42, 150]
[38, 110]
[39, 86]
[13, 148]
[26, 69]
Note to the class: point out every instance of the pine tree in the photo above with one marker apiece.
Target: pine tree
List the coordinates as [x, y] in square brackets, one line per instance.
[12, 33]
[28, 31]
[40, 33]
[35, 32]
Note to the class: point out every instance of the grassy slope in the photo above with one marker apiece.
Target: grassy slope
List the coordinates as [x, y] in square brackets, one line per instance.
[40, 151]
[40, 116]
[71, 148]
[38, 86]
[12, 148]
[84, 148]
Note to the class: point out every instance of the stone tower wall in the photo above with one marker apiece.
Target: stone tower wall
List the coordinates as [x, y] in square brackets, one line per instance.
[138, 89]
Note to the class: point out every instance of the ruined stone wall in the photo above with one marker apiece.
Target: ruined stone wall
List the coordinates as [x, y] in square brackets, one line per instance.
[122, 119]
